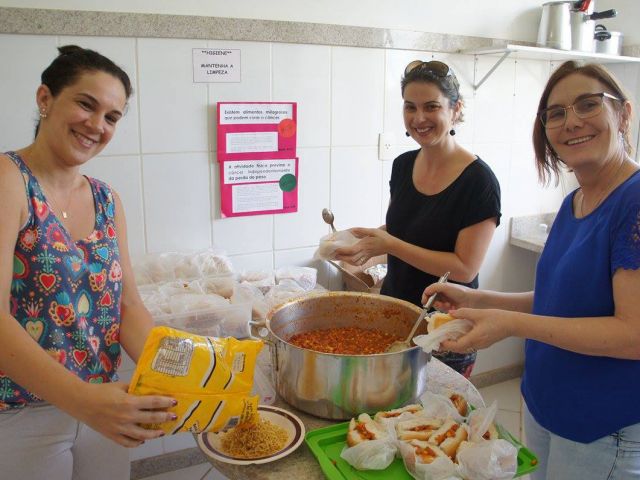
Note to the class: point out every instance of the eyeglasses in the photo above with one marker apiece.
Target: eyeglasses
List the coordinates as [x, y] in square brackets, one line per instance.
[439, 69]
[586, 107]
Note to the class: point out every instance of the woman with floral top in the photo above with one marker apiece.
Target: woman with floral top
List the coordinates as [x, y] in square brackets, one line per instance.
[70, 301]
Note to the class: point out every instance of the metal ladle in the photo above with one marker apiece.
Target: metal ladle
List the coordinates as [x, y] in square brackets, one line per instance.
[401, 345]
[327, 216]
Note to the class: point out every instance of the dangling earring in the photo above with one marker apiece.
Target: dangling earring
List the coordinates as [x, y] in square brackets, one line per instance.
[452, 132]
[43, 113]
[407, 134]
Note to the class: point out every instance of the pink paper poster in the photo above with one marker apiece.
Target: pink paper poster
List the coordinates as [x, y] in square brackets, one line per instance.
[257, 158]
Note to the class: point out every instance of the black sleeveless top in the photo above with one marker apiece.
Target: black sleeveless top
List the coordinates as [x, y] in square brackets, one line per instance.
[434, 221]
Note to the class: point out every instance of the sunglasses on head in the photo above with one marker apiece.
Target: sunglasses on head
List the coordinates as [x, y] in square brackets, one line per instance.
[439, 69]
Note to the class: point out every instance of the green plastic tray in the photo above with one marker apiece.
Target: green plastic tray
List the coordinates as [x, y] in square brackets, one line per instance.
[327, 443]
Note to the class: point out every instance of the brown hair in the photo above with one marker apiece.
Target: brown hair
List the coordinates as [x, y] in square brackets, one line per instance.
[448, 84]
[547, 160]
[73, 61]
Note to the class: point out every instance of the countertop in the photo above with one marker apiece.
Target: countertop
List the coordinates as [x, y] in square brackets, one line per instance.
[530, 231]
[302, 463]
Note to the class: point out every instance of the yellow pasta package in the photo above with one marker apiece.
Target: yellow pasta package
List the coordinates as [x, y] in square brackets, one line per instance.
[211, 378]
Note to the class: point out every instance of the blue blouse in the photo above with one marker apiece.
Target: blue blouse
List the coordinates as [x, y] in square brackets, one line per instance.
[584, 397]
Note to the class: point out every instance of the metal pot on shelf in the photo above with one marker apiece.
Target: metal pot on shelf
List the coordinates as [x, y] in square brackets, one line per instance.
[607, 42]
[342, 386]
[570, 25]
[583, 25]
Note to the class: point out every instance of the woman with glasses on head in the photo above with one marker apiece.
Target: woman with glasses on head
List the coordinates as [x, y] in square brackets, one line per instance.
[445, 201]
[582, 321]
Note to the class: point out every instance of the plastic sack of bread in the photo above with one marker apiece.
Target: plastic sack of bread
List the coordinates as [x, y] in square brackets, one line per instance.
[370, 445]
[481, 423]
[489, 460]
[426, 461]
[331, 242]
[211, 379]
[441, 406]
[441, 327]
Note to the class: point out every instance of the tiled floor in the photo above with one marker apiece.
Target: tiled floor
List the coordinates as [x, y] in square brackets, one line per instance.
[509, 415]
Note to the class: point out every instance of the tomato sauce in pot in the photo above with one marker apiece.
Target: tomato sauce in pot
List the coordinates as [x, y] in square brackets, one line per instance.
[345, 340]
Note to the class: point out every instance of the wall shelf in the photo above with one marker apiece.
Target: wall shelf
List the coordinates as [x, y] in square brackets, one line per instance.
[539, 53]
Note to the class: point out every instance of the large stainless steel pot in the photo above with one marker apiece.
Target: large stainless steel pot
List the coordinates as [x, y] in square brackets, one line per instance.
[341, 386]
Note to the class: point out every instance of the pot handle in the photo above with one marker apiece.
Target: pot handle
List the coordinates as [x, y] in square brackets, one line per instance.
[605, 14]
[265, 335]
[601, 33]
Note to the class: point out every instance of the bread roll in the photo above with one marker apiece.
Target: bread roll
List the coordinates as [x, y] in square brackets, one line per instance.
[448, 437]
[383, 416]
[460, 403]
[491, 433]
[426, 452]
[418, 429]
[363, 429]
[436, 320]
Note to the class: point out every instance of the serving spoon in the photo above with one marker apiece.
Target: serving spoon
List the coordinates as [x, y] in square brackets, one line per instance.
[327, 216]
[400, 345]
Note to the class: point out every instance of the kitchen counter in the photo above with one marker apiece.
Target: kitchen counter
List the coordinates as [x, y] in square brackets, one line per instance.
[302, 463]
[530, 231]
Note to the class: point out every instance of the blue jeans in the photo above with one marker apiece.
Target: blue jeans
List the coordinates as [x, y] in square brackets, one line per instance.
[614, 457]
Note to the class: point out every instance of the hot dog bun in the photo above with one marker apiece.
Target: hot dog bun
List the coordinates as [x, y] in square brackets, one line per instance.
[418, 429]
[426, 452]
[460, 403]
[382, 417]
[363, 429]
[491, 433]
[436, 320]
[448, 437]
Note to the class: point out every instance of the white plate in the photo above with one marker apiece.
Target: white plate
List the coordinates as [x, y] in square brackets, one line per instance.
[209, 442]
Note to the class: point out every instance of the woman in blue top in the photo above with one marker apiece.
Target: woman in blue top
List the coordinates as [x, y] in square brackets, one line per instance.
[582, 321]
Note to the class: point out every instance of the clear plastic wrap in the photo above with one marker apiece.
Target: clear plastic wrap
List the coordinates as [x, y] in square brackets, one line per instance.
[449, 331]
[305, 277]
[331, 242]
[262, 280]
[372, 455]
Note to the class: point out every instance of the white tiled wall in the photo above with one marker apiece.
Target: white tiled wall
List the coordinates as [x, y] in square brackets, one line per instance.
[162, 159]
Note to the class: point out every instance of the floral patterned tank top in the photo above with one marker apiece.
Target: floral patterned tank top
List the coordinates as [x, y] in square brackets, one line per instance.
[66, 294]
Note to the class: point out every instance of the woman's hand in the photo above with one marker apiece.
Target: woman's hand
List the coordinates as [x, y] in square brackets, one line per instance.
[374, 242]
[450, 296]
[489, 326]
[111, 411]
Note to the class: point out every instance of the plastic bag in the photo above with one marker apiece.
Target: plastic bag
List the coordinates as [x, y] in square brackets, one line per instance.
[377, 272]
[212, 262]
[306, 277]
[438, 406]
[211, 379]
[246, 292]
[488, 460]
[449, 331]
[330, 243]
[281, 294]
[370, 455]
[260, 279]
[480, 420]
[189, 302]
[442, 468]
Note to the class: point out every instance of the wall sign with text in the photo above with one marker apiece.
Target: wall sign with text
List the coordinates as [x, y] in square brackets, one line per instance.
[257, 157]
